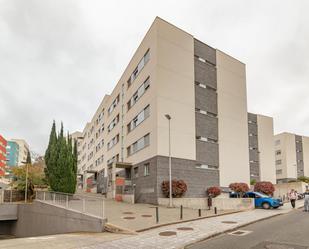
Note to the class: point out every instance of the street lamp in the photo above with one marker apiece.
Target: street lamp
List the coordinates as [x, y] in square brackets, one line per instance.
[26, 188]
[168, 117]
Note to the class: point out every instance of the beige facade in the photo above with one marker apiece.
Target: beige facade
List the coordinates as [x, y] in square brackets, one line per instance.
[23, 150]
[233, 125]
[266, 148]
[292, 156]
[130, 125]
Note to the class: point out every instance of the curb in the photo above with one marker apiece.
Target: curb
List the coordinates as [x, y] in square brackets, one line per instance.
[184, 221]
[232, 229]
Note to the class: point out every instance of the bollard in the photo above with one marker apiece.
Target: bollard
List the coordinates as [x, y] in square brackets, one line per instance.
[67, 202]
[181, 212]
[54, 198]
[103, 209]
[44, 197]
[157, 214]
[199, 213]
[84, 205]
[215, 210]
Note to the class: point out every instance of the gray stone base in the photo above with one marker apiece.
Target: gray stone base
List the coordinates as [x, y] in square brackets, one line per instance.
[148, 188]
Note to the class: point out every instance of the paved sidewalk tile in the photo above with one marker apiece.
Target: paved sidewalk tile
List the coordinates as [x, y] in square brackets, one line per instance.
[201, 229]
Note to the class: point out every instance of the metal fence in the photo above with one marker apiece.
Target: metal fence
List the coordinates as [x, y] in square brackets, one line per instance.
[82, 203]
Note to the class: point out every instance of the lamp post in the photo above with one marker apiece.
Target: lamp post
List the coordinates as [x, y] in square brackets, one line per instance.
[26, 188]
[168, 117]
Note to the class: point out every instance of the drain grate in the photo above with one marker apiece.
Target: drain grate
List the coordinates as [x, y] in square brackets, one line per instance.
[129, 218]
[239, 233]
[185, 228]
[229, 222]
[167, 233]
[128, 213]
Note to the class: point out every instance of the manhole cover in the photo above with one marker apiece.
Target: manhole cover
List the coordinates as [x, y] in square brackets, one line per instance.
[229, 222]
[274, 245]
[146, 215]
[129, 218]
[240, 233]
[185, 228]
[167, 233]
[128, 213]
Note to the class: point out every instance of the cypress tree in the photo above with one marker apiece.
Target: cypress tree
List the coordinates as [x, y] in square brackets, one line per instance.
[51, 157]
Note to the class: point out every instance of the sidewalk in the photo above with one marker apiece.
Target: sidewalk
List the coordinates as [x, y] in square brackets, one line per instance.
[199, 230]
[202, 229]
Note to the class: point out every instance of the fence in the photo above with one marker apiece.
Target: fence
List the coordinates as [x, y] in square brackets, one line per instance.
[82, 203]
[11, 195]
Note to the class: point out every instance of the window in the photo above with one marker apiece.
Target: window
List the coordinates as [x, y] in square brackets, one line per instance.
[278, 152]
[206, 139]
[138, 145]
[278, 162]
[211, 114]
[114, 122]
[114, 104]
[139, 118]
[277, 142]
[203, 60]
[113, 159]
[279, 171]
[206, 166]
[146, 169]
[113, 142]
[139, 68]
[139, 93]
[135, 172]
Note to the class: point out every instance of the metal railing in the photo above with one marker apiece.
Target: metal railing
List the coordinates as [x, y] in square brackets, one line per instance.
[81, 203]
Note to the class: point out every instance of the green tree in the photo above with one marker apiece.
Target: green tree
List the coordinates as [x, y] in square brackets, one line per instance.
[60, 162]
[28, 160]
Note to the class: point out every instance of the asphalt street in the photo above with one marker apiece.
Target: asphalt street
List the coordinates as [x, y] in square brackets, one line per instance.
[288, 231]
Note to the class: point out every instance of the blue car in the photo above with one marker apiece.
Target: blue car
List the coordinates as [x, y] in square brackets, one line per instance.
[264, 201]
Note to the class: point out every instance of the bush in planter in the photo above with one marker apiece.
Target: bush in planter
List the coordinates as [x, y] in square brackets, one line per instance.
[265, 188]
[239, 187]
[213, 191]
[179, 187]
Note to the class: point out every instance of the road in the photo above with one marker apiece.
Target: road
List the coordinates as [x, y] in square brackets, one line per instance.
[288, 231]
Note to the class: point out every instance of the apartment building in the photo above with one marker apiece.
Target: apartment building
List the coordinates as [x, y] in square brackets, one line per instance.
[292, 156]
[3, 144]
[202, 89]
[12, 149]
[261, 148]
[23, 150]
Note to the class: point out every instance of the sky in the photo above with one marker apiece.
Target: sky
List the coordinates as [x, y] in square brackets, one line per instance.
[58, 58]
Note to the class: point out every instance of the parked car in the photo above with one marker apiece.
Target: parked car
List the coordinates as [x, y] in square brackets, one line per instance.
[260, 200]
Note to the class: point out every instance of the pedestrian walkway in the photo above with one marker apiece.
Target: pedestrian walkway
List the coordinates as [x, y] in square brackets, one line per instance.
[202, 229]
[189, 232]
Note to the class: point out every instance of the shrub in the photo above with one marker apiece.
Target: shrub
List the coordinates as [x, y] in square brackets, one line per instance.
[179, 187]
[252, 182]
[213, 191]
[239, 187]
[264, 187]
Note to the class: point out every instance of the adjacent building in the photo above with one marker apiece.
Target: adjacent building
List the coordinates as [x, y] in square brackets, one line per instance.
[12, 155]
[261, 148]
[292, 156]
[3, 144]
[23, 151]
[181, 92]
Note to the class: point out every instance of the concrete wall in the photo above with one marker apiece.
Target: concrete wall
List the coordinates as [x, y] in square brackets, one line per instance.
[282, 189]
[43, 219]
[306, 155]
[266, 148]
[233, 122]
[8, 211]
[219, 203]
